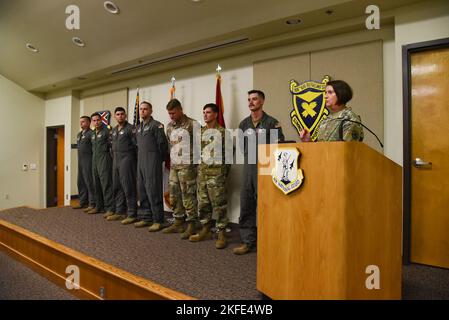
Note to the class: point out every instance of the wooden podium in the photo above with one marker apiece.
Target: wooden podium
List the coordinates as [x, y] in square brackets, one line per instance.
[319, 241]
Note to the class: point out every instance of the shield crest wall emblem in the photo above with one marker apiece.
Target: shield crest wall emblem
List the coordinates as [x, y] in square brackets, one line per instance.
[309, 107]
[286, 174]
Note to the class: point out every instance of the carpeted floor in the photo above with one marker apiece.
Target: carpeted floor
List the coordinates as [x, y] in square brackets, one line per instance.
[196, 269]
[17, 282]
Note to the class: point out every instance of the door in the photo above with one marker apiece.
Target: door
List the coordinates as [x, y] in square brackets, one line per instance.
[430, 157]
[55, 167]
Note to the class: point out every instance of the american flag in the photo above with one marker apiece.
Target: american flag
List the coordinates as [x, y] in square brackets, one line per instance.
[105, 117]
[136, 120]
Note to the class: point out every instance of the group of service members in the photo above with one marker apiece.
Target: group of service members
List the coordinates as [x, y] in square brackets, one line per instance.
[115, 167]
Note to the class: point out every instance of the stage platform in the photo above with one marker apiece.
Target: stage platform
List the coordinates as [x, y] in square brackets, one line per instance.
[195, 270]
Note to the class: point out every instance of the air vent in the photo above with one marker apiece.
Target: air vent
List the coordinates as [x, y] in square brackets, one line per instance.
[183, 54]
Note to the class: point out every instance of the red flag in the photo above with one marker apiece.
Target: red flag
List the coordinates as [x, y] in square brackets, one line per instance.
[219, 102]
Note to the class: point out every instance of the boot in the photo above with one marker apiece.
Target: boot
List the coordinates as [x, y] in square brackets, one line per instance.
[176, 227]
[129, 220]
[222, 241]
[204, 234]
[142, 224]
[190, 231]
[155, 227]
[78, 206]
[243, 249]
[116, 217]
[95, 211]
[108, 214]
[88, 209]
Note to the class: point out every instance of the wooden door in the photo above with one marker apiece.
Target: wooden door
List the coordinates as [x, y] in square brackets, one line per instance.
[52, 190]
[60, 166]
[430, 157]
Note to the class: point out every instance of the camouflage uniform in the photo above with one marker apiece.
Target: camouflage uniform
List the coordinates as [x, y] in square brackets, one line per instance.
[124, 167]
[182, 179]
[329, 129]
[102, 169]
[248, 195]
[212, 194]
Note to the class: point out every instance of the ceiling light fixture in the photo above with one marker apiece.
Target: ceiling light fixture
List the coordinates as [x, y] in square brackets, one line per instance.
[329, 12]
[32, 48]
[78, 42]
[111, 7]
[293, 21]
[82, 78]
[196, 1]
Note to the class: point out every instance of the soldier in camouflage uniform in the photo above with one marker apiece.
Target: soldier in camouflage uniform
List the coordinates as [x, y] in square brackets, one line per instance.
[85, 183]
[212, 173]
[336, 127]
[102, 167]
[183, 172]
[124, 167]
[153, 147]
[260, 124]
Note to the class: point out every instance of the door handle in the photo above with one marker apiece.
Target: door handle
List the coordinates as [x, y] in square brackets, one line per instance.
[419, 163]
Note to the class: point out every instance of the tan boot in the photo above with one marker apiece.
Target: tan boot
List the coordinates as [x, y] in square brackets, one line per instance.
[78, 206]
[204, 234]
[116, 217]
[142, 224]
[108, 214]
[243, 249]
[129, 220]
[155, 227]
[88, 209]
[189, 231]
[222, 241]
[176, 227]
[94, 211]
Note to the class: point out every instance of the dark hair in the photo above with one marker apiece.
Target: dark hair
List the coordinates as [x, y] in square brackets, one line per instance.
[119, 109]
[95, 114]
[173, 104]
[258, 92]
[85, 117]
[212, 106]
[342, 90]
[147, 103]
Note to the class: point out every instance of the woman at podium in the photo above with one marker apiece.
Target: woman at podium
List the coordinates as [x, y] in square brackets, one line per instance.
[342, 124]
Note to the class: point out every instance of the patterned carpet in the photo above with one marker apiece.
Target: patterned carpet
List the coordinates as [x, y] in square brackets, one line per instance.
[196, 269]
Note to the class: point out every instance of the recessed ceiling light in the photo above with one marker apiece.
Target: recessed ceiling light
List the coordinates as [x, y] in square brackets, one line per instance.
[82, 78]
[329, 12]
[111, 7]
[32, 48]
[78, 42]
[293, 21]
[196, 1]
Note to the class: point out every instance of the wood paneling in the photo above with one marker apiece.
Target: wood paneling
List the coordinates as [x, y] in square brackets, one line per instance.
[60, 166]
[430, 131]
[317, 242]
[51, 260]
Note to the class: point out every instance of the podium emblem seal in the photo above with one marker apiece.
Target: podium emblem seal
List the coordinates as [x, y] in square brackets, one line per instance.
[286, 174]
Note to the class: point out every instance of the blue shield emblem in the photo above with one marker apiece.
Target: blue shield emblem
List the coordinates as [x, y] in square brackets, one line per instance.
[309, 107]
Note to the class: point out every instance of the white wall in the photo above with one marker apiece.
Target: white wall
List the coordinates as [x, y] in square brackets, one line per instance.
[58, 112]
[21, 139]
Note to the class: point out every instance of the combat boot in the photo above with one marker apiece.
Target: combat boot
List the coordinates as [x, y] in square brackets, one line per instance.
[176, 227]
[222, 241]
[78, 206]
[108, 214]
[243, 249]
[142, 224]
[189, 231]
[94, 211]
[204, 234]
[155, 227]
[116, 217]
[129, 220]
[88, 209]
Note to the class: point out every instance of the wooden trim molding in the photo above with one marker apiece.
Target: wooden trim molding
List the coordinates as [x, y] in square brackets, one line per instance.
[97, 279]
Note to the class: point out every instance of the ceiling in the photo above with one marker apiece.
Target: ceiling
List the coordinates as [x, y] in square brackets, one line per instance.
[150, 33]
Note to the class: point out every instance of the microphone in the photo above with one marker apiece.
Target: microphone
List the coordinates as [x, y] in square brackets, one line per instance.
[343, 120]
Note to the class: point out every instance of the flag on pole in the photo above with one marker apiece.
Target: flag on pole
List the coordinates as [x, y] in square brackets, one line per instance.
[219, 99]
[172, 88]
[136, 120]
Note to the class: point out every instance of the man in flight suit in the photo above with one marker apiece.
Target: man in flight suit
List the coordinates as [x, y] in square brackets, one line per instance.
[124, 169]
[85, 183]
[152, 147]
[258, 123]
[102, 167]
